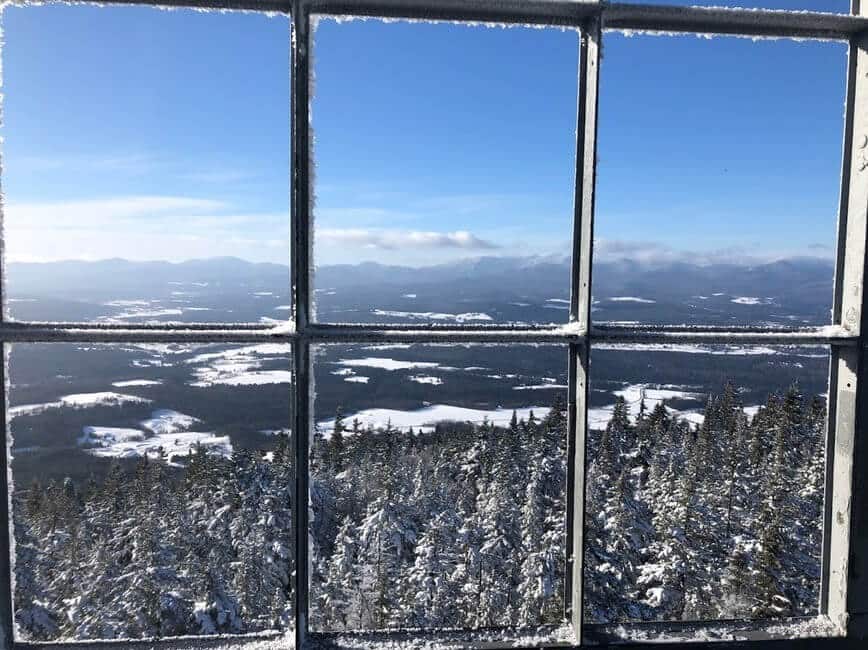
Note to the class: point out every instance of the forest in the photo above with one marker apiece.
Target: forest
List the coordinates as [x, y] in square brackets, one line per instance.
[459, 526]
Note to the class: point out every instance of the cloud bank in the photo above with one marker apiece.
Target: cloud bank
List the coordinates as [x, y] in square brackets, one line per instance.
[401, 239]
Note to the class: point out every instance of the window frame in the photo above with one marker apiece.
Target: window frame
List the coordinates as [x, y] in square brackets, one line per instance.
[843, 605]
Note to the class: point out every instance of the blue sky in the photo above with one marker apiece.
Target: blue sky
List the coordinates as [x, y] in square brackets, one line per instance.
[148, 134]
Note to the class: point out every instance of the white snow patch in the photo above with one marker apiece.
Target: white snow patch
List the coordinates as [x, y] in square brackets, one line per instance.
[357, 379]
[430, 315]
[539, 386]
[107, 436]
[137, 382]
[409, 295]
[633, 394]
[167, 421]
[241, 366]
[427, 379]
[78, 401]
[425, 418]
[747, 300]
[169, 437]
[143, 313]
[175, 446]
[386, 363]
[631, 299]
[253, 378]
[722, 349]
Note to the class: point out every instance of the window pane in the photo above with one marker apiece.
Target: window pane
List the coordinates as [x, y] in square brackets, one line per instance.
[711, 209]
[146, 164]
[445, 164]
[438, 487]
[151, 490]
[706, 475]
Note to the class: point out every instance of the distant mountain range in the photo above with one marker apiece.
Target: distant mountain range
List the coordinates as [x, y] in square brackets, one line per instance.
[797, 290]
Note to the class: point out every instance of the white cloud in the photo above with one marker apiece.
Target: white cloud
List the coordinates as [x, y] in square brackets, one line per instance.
[143, 227]
[107, 210]
[649, 252]
[396, 239]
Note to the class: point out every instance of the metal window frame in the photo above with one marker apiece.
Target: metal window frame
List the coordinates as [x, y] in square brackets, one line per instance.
[844, 587]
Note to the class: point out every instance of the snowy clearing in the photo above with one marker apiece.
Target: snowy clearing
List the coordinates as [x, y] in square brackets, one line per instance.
[167, 421]
[427, 379]
[79, 401]
[632, 299]
[107, 436]
[385, 363]
[165, 432]
[241, 366]
[137, 382]
[253, 378]
[717, 349]
[430, 315]
[747, 300]
[143, 313]
[424, 419]
[176, 446]
[539, 386]
[633, 394]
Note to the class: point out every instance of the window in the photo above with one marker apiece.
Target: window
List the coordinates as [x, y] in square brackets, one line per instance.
[250, 450]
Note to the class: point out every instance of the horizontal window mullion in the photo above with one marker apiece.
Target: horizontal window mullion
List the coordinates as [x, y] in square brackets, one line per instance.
[90, 333]
[546, 12]
[748, 22]
[435, 334]
[733, 21]
[271, 6]
[234, 641]
[710, 335]
[180, 333]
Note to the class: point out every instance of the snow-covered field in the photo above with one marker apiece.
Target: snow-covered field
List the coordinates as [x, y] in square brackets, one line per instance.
[426, 379]
[164, 432]
[136, 382]
[79, 401]
[242, 366]
[424, 419]
[812, 352]
[632, 299]
[167, 421]
[430, 315]
[385, 363]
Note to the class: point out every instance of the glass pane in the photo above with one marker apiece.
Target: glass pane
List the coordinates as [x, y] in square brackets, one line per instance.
[146, 164]
[710, 210]
[151, 490]
[706, 475]
[445, 165]
[438, 487]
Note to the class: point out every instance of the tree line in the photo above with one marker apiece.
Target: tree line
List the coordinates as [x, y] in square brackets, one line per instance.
[459, 526]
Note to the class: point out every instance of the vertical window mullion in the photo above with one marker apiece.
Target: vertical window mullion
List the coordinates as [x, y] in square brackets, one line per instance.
[300, 251]
[844, 584]
[6, 607]
[580, 312]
